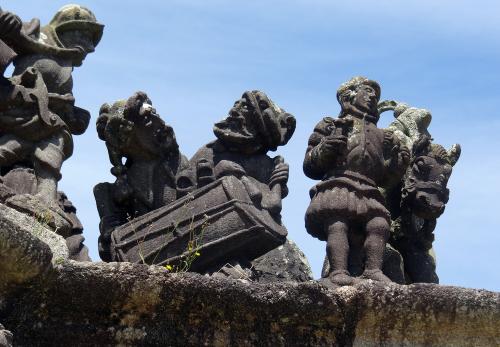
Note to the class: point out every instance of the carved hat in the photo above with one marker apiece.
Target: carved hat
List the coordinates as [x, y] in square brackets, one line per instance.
[72, 17]
[354, 83]
[255, 123]
[274, 124]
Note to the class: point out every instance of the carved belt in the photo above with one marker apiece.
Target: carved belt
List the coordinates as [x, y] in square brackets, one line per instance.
[352, 175]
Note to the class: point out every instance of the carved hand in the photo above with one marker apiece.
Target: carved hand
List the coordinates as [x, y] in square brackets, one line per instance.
[10, 24]
[333, 145]
[280, 174]
[229, 168]
[404, 156]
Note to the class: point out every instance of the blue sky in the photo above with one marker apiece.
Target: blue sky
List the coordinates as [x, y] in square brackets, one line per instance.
[195, 58]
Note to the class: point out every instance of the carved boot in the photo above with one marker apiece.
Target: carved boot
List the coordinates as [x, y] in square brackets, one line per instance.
[341, 278]
[375, 275]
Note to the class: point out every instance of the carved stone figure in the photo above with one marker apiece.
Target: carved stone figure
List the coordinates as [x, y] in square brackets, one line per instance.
[37, 108]
[228, 202]
[38, 115]
[421, 197]
[21, 182]
[417, 200]
[254, 126]
[146, 163]
[353, 158]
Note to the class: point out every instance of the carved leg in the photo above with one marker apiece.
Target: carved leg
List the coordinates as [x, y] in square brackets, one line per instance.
[47, 162]
[337, 250]
[377, 234]
[46, 184]
[356, 251]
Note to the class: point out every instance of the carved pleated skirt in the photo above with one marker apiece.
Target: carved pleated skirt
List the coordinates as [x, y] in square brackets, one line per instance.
[343, 199]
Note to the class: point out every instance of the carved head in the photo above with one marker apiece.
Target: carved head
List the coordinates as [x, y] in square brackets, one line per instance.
[425, 189]
[359, 97]
[410, 123]
[135, 129]
[74, 26]
[255, 125]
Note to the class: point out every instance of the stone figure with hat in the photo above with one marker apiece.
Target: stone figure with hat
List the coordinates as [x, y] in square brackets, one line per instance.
[38, 115]
[254, 126]
[45, 57]
[353, 158]
[218, 213]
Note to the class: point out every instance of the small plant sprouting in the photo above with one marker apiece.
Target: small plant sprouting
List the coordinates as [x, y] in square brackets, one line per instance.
[139, 242]
[193, 248]
[192, 251]
[59, 261]
[41, 221]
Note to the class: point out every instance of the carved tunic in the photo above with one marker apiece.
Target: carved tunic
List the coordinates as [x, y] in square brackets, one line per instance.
[257, 168]
[26, 133]
[349, 186]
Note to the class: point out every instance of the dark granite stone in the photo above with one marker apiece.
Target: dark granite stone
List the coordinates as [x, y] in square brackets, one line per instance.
[38, 116]
[146, 162]
[222, 207]
[353, 158]
[419, 200]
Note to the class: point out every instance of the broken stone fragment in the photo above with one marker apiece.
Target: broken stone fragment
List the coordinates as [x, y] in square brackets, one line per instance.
[284, 263]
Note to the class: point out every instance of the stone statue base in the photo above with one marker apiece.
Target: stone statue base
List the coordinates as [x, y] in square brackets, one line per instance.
[17, 190]
[392, 267]
[133, 304]
[50, 215]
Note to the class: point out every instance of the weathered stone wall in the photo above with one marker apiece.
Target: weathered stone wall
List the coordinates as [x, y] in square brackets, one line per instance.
[90, 304]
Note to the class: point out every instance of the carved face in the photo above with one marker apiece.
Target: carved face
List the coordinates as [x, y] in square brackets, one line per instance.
[255, 124]
[365, 99]
[238, 128]
[135, 129]
[79, 39]
[426, 186]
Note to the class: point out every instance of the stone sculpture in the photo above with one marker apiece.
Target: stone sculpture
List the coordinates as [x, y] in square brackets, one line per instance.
[353, 158]
[37, 112]
[37, 129]
[420, 199]
[254, 126]
[416, 201]
[225, 205]
[146, 162]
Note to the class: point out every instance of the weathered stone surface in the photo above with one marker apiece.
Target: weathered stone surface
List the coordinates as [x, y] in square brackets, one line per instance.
[285, 263]
[353, 158]
[147, 164]
[220, 208]
[419, 200]
[53, 216]
[37, 107]
[428, 315]
[136, 305]
[5, 337]
[392, 266]
[27, 248]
